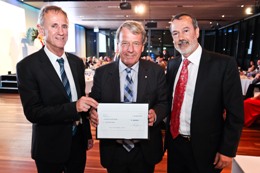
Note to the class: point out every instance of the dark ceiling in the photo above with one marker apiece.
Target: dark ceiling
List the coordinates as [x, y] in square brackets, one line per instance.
[107, 14]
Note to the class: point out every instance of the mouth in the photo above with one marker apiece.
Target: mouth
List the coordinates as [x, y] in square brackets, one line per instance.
[59, 38]
[130, 56]
[183, 42]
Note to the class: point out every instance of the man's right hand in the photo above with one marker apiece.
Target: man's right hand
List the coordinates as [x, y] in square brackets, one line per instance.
[93, 118]
[85, 103]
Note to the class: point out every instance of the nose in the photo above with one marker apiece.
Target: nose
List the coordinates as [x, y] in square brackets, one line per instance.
[60, 30]
[180, 36]
[130, 47]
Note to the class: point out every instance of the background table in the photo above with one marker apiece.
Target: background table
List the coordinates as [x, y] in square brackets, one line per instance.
[89, 84]
[89, 73]
[245, 82]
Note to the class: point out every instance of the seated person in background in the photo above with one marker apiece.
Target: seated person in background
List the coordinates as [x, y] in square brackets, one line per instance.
[251, 110]
[161, 62]
[257, 69]
[251, 66]
[256, 78]
[252, 86]
[90, 62]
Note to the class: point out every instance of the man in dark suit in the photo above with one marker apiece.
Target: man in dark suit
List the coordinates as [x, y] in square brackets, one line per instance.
[149, 86]
[206, 140]
[60, 129]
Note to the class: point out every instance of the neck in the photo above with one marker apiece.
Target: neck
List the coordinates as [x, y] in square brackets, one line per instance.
[57, 51]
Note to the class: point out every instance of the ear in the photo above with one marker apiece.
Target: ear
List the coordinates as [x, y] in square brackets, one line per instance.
[117, 47]
[40, 29]
[197, 32]
[142, 48]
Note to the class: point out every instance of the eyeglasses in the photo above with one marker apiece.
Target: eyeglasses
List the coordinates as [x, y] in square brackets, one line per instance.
[126, 45]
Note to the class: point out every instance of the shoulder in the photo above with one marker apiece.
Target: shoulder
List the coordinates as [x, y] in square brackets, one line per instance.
[215, 55]
[109, 67]
[176, 61]
[72, 56]
[218, 61]
[32, 58]
[149, 64]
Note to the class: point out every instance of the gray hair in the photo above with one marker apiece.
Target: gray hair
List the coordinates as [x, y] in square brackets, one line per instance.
[46, 9]
[135, 28]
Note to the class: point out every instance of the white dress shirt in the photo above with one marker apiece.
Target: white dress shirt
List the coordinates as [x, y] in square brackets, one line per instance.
[53, 58]
[193, 67]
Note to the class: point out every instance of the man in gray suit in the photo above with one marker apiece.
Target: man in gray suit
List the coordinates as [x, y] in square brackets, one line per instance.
[204, 140]
[60, 129]
[149, 86]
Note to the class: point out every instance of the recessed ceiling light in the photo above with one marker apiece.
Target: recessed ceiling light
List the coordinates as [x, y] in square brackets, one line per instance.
[140, 9]
[249, 10]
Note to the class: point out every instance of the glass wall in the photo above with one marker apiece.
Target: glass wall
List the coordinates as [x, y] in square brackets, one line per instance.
[239, 40]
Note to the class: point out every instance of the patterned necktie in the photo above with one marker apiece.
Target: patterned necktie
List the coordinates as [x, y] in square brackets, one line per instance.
[128, 87]
[66, 85]
[128, 98]
[64, 78]
[178, 98]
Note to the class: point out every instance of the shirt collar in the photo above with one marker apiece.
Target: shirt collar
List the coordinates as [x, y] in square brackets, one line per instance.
[122, 66]
[52, 56]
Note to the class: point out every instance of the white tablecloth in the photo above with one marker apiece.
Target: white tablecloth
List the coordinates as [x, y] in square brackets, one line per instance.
[246, 164]
[245, 82]
[89, 84]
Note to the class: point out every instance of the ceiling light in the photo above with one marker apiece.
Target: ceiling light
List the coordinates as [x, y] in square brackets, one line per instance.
[139, 9]
[96, 29]
[249, 10]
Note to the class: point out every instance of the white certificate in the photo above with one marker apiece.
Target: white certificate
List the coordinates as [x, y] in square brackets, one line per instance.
[122, 121]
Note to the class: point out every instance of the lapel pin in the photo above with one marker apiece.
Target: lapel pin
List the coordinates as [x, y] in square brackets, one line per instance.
[145, 76]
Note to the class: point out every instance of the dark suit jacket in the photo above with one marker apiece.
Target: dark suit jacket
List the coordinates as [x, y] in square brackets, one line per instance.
[217, 88]
[47, 105]
[151, 89]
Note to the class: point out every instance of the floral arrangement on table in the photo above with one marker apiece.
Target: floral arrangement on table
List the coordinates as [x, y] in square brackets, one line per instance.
[31, 35]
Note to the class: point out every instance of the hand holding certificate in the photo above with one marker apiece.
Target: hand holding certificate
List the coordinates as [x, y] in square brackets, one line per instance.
[122, 121]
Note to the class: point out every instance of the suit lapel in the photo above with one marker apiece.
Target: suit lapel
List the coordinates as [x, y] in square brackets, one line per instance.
[49, 70]
[143, 77]
[73, 68]
[173, 67]
[201, 78]
[113, 78]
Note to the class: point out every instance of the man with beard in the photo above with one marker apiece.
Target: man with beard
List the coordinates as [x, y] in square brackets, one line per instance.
[202, 86]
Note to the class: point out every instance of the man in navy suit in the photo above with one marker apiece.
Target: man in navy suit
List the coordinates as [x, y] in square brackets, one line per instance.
[149, 86]
[207, 139]
[60, 129]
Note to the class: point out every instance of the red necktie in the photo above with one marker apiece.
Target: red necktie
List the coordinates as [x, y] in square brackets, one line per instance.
[178, 98]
